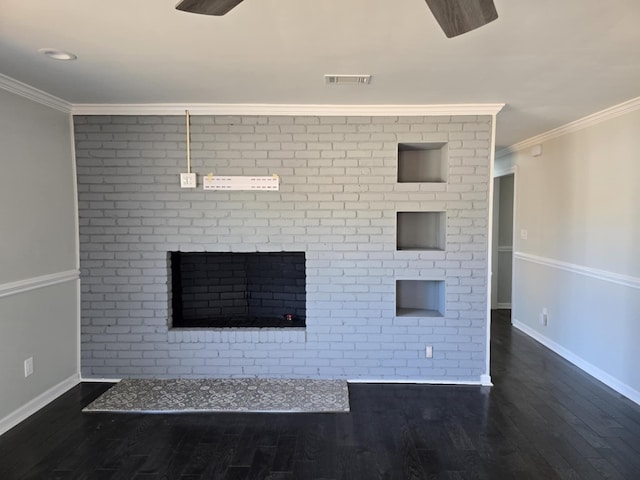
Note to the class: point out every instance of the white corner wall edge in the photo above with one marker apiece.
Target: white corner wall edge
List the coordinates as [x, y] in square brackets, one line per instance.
[41, 401]
[579, 362]
[286, 109]
[76, 214]
[27, 91]
[580, 124]
[485, 378]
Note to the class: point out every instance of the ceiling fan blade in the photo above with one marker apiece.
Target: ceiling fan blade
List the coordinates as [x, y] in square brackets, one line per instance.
[207, 7]
[461, 16]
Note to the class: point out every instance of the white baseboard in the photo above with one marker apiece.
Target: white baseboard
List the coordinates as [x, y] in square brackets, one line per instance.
[22, 413]
[485, 380]
[100, 380]
[482, 382]
[579, 362]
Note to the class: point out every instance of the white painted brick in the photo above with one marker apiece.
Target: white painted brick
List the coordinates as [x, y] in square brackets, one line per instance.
[131, 208]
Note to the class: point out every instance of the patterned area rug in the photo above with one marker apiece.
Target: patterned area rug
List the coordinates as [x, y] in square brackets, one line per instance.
[224, 395]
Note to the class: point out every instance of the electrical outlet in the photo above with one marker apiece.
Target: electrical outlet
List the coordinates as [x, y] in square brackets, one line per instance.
[544, 317]
[187, 180]
[28, 367]
[429, 351]
[524, 234]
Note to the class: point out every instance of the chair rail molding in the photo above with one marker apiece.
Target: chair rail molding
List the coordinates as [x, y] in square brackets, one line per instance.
[604, 275]
[34, 283]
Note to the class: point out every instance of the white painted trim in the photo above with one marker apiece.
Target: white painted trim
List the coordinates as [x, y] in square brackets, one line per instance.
[604, 275]
[502, 172]
[27, 91]
[14, 86]
[76, 214]
[485, 381]
[492, 162]
[286, 109]
[580, 124]
[32, 93]
[42, 400]
[579, 362]
[100, 380]
[38, 282]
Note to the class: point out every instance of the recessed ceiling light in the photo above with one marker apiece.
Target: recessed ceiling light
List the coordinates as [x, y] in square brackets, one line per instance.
[57, 54]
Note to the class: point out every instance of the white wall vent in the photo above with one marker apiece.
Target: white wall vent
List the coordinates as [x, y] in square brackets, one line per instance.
[347, 79]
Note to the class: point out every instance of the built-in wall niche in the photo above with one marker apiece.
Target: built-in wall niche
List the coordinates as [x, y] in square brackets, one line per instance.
[422, 162]
[420, 298]
[421, 231]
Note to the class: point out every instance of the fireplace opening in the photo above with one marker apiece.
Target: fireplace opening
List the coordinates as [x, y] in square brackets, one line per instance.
[220, 289]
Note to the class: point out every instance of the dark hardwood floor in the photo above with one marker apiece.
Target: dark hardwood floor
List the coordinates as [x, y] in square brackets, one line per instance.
[543, 419]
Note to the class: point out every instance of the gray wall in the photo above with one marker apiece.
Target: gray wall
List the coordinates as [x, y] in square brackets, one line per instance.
[337, 202]
[503, 241]
[37, 221]
[580, 204]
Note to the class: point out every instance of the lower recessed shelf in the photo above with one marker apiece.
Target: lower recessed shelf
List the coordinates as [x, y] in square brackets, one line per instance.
[420, 298]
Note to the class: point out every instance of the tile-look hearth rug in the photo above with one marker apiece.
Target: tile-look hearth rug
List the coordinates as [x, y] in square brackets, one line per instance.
[223, 395]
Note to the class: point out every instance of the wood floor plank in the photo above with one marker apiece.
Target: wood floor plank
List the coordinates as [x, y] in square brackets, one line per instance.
[542, 419]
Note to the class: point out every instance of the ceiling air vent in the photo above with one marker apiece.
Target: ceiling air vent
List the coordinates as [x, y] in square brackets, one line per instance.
[347, 79]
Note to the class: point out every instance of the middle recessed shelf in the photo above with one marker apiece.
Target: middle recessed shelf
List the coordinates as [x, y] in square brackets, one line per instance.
[421, 231]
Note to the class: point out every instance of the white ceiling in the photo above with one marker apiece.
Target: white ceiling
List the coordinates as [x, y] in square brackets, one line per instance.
[550, 61]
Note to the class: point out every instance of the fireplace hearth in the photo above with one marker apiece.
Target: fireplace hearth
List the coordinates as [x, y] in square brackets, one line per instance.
[233, 290]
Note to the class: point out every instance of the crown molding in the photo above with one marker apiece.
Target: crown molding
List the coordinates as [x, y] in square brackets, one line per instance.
[14, 86]
[27, 91]
[580, 124]
[285, 109]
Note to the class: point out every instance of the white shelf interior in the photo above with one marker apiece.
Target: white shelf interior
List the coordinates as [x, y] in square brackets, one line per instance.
[420, 298]
[422, 162]
[421, 231]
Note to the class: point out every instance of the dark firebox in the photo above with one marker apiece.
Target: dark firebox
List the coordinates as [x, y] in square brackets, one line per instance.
[214, 289]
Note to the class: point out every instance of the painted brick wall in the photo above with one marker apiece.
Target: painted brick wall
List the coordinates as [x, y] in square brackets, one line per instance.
[337, 202]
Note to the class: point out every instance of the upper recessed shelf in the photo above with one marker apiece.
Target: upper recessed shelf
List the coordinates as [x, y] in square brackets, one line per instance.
[422, 162]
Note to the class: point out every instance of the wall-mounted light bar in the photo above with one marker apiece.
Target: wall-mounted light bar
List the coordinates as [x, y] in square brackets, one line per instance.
[219, 182]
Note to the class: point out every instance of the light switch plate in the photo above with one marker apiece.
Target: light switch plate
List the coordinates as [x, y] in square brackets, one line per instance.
[187, 180]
